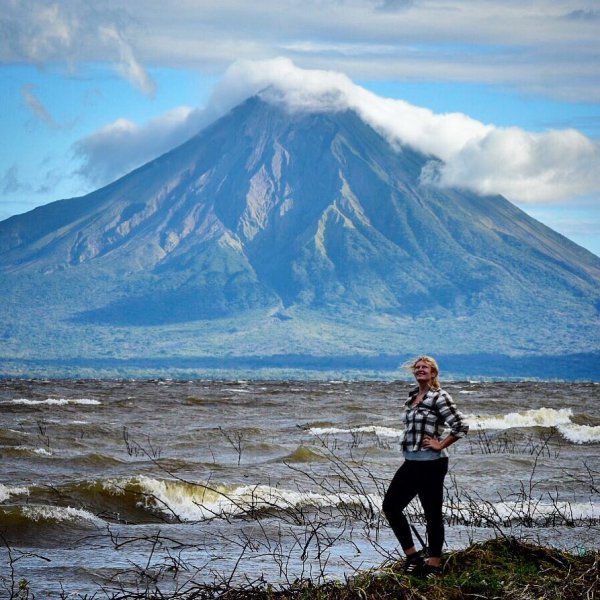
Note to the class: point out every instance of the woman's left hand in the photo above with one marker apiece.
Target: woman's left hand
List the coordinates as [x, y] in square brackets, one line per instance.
[432, 443]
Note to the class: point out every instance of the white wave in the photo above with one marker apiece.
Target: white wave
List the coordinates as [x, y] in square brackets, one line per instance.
[541, 417]
[374, 429]
[60, 514]
[198, 502]
[467, 392]
[6, 492]
[42, 452]
[535, 511]
[29, 449]
[580, 434]
[53, 401]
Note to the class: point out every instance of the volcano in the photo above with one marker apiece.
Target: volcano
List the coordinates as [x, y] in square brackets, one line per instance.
[275, 231]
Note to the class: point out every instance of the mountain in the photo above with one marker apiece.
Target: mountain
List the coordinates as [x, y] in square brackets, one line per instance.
[277, 232]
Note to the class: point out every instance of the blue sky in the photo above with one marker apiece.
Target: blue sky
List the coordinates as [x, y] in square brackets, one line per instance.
[512, 89]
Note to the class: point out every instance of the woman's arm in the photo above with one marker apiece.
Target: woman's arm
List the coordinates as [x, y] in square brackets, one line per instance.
[451, 416]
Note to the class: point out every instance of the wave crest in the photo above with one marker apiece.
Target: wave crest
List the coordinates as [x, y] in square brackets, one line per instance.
[541, 417]
[186, 501]
[53, 401]
[580, 434]
[377, 430]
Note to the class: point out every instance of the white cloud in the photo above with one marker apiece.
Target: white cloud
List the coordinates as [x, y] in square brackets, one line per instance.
[36, 31]
[35, 105]
[523, 166]
[128, 66]
[70, 32]
[548, 48]
[124, 145]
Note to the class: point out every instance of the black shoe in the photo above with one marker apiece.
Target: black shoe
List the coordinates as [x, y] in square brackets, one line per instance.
[414, 563]
[430, 572]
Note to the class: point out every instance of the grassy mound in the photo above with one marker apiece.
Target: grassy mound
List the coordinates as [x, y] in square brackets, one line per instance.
[502, 568]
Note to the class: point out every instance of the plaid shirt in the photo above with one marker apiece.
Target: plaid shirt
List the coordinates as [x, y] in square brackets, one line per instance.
[429, 418]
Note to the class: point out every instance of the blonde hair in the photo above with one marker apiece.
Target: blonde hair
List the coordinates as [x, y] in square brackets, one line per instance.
[435, 382]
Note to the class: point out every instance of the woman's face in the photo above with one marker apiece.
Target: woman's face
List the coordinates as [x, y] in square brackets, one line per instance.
[423, 372]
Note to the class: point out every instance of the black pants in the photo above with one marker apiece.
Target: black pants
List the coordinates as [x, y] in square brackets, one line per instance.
[424, 478]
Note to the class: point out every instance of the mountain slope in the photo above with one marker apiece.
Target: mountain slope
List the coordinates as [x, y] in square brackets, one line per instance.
[289, 212]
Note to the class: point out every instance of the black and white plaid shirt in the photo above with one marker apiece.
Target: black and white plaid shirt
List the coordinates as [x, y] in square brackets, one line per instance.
[429, 417]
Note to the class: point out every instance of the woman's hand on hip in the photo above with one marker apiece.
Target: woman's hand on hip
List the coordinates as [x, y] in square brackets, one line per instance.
[431, 443]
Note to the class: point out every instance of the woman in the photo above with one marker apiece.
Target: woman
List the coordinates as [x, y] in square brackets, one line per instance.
[425, 465]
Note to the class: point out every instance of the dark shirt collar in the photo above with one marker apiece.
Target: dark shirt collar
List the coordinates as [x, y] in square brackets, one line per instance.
[413, 393]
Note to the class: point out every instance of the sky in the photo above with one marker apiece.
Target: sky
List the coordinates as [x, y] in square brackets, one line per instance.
[504, 95]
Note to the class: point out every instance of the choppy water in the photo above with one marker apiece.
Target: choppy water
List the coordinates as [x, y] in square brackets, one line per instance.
[120, 485]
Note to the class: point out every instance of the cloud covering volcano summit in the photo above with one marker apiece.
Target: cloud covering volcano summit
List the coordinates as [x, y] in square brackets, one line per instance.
[524, 166]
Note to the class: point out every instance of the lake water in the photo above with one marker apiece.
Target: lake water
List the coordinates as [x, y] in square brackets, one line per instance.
[130, 485]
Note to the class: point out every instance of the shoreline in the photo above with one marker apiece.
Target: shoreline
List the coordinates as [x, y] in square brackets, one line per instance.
[504, 567]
